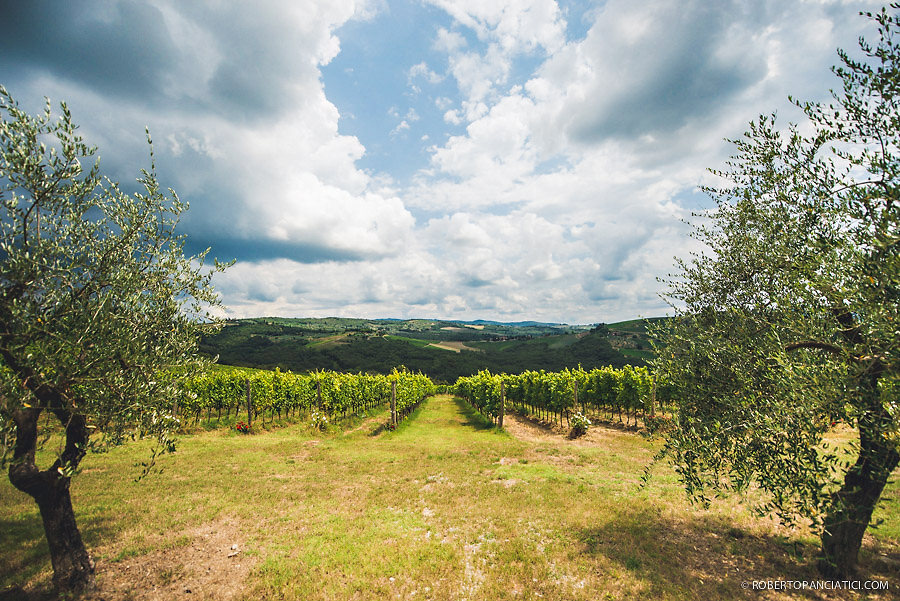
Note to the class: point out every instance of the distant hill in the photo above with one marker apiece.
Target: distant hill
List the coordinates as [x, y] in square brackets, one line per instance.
[443, 349]
[632, 339]
[520, 324]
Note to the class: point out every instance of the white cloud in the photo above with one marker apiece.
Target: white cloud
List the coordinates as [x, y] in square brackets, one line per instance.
[452, 117]
[421, 70]
[402, 126]
[442, 103]
[520, 26]
[507, 29]
[449, 41]
[561, 200]
[249, 135]
[606, 141]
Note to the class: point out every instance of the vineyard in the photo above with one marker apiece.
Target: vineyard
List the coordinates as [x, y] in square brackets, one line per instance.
[444, 508]
[275, 394]
[625, 394]
[555, 396]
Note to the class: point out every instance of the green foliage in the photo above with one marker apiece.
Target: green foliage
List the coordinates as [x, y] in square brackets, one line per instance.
[100, 314]
[789, 323]
[482, 391]
[580, 424]
[629, 389]
[100, 310]
[327, 393]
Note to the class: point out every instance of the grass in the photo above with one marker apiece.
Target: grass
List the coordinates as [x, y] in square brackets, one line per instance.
[445, 507]
[496, 346]
[328, 340]
[634, 326]
[413, 341]
[637, 353]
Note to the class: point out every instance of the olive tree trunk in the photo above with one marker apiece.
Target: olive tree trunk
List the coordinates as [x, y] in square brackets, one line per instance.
[853, 504]
[73, 569]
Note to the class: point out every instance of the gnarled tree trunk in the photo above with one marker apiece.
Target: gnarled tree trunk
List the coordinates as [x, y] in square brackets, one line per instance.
[73, 569]
[853, 504]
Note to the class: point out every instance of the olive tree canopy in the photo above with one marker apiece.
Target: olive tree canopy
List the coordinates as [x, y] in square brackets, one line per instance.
[100, 313]
[789, 325]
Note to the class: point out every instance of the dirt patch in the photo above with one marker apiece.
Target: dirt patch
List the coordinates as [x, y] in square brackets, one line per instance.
[453, 345]
[370, 423]
[446, 346]
[529, 430]
[213, 565]
[532, 430]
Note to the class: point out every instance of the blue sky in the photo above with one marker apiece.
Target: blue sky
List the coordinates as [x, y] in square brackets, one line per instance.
[524, 159]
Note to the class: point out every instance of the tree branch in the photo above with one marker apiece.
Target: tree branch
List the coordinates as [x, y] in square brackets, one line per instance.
[823, 346]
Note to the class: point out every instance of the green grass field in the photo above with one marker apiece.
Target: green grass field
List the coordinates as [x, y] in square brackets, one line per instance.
[639, 353]
[413, 341]
[446, 507]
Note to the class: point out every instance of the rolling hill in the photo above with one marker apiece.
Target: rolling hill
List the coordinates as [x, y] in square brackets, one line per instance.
[443, 349]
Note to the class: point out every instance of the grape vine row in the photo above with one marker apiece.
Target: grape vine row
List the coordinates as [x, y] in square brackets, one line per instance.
[223, 392]
[629, 391]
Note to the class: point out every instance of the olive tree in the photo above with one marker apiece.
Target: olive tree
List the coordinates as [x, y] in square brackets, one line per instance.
[100, 312]
[788, 327]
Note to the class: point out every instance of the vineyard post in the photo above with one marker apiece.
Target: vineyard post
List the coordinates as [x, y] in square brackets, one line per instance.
[394, 403]
[502, 402]
[249, 406]
[653, 397]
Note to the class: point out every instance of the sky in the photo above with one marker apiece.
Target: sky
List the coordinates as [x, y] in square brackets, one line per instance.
[459, 159]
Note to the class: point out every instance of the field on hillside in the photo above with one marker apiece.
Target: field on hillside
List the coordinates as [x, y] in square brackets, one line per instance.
[446, 508]
[443, 350]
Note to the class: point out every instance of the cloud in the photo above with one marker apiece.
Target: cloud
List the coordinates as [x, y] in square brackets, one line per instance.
[506, 30]
[421, 70]
[557, 172]
[402, 126]
[602, 144]
[624, 89]
[449, 41]
[496, 145]
[234, 98]
[124, 50]
[515, 26]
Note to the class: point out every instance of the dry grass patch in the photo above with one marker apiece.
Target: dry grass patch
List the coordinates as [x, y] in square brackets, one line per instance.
[212, 562]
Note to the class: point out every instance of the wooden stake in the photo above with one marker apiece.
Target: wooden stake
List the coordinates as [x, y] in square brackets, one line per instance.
[394, 403]
[249, 405]
[502, 402]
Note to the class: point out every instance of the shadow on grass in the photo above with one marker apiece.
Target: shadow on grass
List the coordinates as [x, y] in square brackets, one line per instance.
[560, 427]
[473, 419]
[404, 421]
[24, 554]
[381, 429]
[709, 558]
[549, 427]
